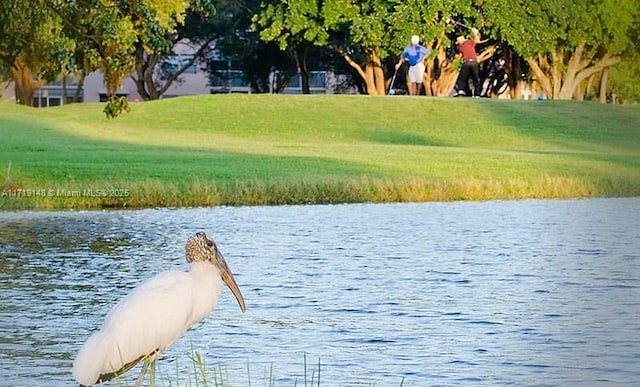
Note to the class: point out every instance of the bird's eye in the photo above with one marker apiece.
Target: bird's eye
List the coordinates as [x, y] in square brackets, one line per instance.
[210, 243]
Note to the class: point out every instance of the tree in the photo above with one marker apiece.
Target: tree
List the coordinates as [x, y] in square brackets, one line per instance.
[354, 29]
[41, 39]
[624, 76]
[565, 42]
[112, 31]
[370, 34]
[241, 50]
[294, 43]
[157, 43]
[32, 45]
[431, 21]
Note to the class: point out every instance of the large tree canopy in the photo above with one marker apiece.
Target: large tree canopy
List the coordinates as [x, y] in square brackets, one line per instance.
[40, 39]
[354, 29]
[33, 47]
[564, 41]
[365, 33]
[569, 45]
[113, 31]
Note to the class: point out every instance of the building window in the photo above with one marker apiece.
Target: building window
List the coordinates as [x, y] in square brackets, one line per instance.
[171, 64]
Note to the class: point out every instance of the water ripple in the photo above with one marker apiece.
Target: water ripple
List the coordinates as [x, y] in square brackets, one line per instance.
[481, 293]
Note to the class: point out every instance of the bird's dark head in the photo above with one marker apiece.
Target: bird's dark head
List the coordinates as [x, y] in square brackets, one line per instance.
[202, 248]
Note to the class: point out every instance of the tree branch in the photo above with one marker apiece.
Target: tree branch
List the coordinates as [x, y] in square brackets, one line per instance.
[349, 60]
[199, 54]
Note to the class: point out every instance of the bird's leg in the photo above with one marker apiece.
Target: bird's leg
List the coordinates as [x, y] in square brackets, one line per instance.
[142, 373]
[149, 361]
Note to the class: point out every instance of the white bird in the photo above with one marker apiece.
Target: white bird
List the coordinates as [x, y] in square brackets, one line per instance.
[155, 314]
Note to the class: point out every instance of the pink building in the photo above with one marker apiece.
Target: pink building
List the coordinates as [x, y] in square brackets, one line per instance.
[193, 81]
[7, 92]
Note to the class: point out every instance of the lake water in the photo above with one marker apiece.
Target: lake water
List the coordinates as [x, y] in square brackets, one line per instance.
[431, 294]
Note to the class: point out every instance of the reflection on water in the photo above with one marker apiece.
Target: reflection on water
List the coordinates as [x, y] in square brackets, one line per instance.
[481, 293]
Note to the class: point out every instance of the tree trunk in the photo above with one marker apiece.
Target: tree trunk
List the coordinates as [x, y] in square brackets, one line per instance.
[146, 66]
[301, 64]
[437, 74]
[514, 71]
[559, 84]
[25, 82]
[78, 92]
[579, 92]
[603, 85]
[447, 72]
[372, 74]
[304, 80]
[538, 67]
[378, 74]
[304, 70]
[439, 82]
[369, 80]
[298, 55]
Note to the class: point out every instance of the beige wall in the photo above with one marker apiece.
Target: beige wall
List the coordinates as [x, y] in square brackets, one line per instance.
[187, 84]
[7, 92]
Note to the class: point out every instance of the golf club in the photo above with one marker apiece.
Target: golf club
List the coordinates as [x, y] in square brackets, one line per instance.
[449, 21]
[391, 90]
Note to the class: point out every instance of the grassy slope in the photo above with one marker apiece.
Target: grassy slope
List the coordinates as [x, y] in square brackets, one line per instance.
[245, 149]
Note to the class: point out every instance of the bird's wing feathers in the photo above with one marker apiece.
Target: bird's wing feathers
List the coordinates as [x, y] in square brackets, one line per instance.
[152, 316]
[147, 320]
[108, 376]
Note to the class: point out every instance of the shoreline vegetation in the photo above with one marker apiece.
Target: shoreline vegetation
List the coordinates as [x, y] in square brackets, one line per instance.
[274, 149]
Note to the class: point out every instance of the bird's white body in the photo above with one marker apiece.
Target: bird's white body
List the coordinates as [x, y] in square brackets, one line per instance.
[151, 318]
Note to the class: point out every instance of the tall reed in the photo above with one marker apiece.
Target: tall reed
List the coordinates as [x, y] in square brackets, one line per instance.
[327, 191]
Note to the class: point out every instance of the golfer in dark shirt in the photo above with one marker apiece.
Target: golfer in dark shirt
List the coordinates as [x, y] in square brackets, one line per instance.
[470, 66]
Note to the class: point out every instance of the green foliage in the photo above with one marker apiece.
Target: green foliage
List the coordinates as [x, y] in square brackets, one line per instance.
[364, 33]
[118, 27]
[383, 24]
[115, 106]
[625, 76]
[588, 33]
[56, 37]
[30, 32]
[543, 26]
[325, 22]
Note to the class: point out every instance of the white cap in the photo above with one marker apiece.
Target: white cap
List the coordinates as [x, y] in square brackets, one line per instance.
[415, 39]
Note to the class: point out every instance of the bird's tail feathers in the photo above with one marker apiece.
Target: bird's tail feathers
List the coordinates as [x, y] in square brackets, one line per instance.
[91, 358]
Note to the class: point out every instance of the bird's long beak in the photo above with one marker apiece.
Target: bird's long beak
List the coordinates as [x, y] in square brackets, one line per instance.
[227, 277]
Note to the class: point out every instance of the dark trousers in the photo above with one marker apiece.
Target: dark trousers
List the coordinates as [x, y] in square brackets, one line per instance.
[469, 69]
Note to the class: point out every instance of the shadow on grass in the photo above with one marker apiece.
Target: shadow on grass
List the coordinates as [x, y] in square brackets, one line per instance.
[576, 125]
[395, 137]
[44, 154]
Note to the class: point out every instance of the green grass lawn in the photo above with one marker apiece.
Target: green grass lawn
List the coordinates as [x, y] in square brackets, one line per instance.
[272, 149]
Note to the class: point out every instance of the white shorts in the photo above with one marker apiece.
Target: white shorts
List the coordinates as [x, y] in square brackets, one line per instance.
[416, 72]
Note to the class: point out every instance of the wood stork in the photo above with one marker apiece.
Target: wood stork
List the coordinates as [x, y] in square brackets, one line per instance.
[155, 314]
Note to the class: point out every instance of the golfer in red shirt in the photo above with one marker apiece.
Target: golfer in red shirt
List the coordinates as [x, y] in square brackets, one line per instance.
[470, 66]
